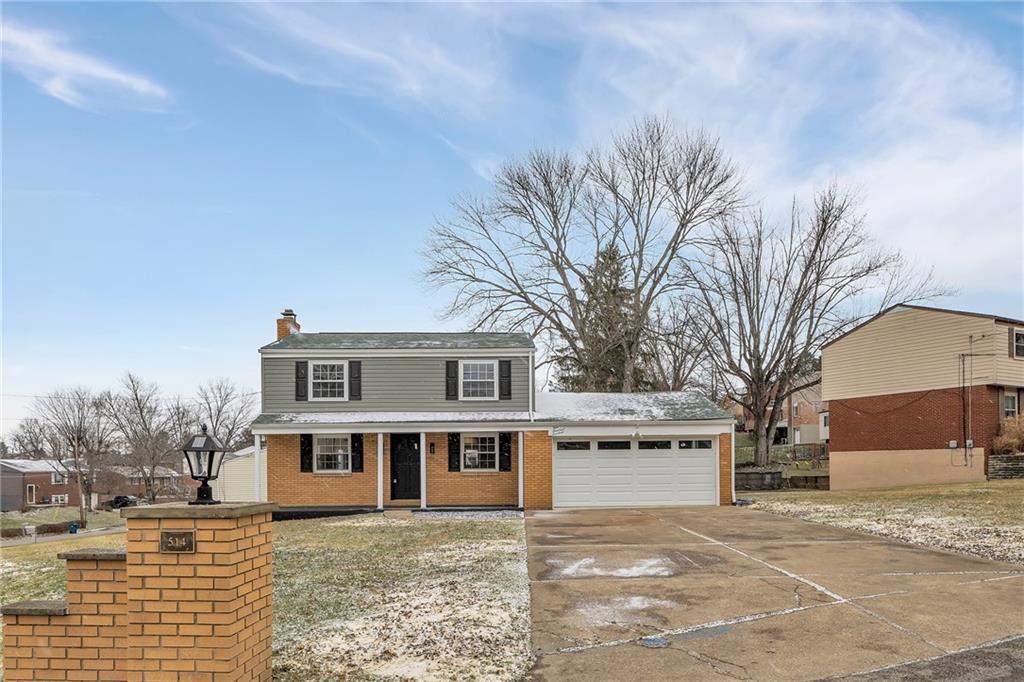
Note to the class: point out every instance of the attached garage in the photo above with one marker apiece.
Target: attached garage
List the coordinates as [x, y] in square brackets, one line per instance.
[635, 472]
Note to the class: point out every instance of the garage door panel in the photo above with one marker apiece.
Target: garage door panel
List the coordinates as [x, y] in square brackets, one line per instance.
[634, 477]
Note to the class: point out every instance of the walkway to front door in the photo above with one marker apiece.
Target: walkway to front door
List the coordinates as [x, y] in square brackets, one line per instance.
[405, 466]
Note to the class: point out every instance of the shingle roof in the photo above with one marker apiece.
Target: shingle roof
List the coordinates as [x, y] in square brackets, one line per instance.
[402, 341]
[34, 465]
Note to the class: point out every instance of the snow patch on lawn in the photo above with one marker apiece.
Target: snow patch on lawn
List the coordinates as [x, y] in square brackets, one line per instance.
[621, 610]
[588, 567]
[956, 533]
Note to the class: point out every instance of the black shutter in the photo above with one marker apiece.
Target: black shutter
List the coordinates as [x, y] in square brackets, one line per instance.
[451, 380]
[504, 380]
[355, 380]
[306, 452]
[357, 453]
[302, 380]
[505, 451]
[454, 452]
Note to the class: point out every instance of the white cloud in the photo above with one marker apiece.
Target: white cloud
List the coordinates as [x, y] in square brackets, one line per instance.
[922, 117]
[71, 76]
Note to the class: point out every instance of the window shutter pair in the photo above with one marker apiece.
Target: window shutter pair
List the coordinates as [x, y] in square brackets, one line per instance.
[451, 380]
[306, 452]
[355, 380]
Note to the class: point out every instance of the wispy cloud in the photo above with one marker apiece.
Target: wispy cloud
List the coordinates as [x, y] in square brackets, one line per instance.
[72, 76]
[921, 117]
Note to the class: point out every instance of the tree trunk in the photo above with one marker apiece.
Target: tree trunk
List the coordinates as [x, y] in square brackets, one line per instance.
[82, 515]
[762, 445]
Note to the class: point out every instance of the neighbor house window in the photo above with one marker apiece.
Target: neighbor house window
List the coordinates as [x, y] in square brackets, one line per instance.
[480, 453]
[332, 454]
[655, 445]
[1018, 343]
[1009, 406]
[57, 478]
[572, 445]
[58, 499]
[478, 380]
[327, 380]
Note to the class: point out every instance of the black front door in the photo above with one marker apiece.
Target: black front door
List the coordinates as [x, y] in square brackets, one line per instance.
[405, 466]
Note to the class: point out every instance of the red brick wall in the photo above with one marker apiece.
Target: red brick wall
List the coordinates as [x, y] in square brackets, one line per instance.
[44, 488]
[289, 487]
[725, 468]
[920, 420]
[537, 493]
[454, 488]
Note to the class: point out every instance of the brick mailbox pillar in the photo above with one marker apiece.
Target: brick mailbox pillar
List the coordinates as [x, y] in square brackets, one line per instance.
[188, 599]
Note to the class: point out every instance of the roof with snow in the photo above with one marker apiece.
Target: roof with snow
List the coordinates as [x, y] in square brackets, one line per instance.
[32, 466]
[401, 341]
[551, 407]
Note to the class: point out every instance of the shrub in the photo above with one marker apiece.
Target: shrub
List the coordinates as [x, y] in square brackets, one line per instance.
[1011, 436]
[18, 532]
[61, 527]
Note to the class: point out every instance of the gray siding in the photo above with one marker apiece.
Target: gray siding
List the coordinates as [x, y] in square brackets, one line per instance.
[392, 384]
[12, 489]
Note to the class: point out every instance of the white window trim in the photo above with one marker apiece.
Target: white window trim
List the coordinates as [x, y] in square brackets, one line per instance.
[62, 496]
[1015, 332]
[494, 396]
[54, 478]
[462, 453]
[316, 460]
[309, 390]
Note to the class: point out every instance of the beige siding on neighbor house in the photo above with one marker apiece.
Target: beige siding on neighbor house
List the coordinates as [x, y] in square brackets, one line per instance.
[236, 482]
[909, 349]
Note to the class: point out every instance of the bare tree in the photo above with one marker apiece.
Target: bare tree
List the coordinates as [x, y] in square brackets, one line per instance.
[144, 424]
[522, 258]
[227, 410]
[38, 440]
[769, 299]
[675, 347]
[77, 417]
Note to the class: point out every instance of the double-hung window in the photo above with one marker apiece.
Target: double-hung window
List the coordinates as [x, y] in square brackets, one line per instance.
[1018, 343]
[327, 380]
[480, 452]
[1010, 406]
[57, 478]
[478, 380]
[332, 454]
[58, 499]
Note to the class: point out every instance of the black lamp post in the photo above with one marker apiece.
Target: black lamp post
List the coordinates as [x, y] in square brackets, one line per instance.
[204, 454]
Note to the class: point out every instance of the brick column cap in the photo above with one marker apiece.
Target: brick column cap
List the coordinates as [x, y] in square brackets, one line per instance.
[36, 607]
[93, 554]
[183, 510]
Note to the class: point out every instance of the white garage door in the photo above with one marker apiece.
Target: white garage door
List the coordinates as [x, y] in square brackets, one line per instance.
[634, 473]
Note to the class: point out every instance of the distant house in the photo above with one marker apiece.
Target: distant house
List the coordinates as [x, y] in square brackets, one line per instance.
[112, 481]
[800, 421]
[29, 483]
[917, 394]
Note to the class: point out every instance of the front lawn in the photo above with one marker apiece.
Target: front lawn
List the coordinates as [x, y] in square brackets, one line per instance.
[985, 519]
[367, 597]
[36, 517]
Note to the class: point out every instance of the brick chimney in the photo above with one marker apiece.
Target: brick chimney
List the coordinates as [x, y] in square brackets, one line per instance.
[287, 324]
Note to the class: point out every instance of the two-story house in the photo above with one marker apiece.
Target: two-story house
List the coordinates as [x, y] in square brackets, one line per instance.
[917, 394]
[374, 420]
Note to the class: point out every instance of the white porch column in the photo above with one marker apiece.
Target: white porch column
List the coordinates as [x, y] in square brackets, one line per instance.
[519, 467]
[423, 470]
[380, 471]
[257, 465]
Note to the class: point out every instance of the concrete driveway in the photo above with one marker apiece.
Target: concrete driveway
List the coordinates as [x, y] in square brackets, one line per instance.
[728, 593]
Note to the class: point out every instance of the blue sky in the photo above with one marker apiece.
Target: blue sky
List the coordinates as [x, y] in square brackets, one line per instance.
[174, 175]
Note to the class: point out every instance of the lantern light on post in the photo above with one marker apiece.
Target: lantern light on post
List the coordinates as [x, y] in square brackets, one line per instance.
[204, 454]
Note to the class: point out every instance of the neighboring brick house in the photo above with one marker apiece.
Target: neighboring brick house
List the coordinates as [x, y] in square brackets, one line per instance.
[29, 483]
[800, 421]
[917, 394]
[372, 420]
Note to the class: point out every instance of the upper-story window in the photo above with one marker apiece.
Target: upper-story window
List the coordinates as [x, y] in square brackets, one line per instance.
[57, 478]
[1018, 343]
[327, 380]
[478, 380]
